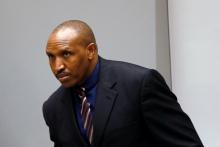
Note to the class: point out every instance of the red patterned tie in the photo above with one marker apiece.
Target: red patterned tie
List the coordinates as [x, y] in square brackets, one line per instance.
[86, 114]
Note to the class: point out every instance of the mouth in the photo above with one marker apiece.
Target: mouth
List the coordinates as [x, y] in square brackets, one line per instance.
[62, 77]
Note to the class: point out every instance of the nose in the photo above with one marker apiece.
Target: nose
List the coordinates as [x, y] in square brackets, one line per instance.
[59, 66]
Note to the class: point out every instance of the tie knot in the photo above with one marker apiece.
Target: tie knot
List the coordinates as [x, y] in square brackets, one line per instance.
[81, 92]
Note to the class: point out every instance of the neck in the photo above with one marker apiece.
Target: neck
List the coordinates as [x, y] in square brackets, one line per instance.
[93, 65]
[91, 68]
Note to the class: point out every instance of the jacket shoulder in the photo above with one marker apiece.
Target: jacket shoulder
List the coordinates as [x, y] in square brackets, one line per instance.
[124, 69]
[55, 97]
[52, 104]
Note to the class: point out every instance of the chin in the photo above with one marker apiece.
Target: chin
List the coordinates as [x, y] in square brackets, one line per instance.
[68, 84]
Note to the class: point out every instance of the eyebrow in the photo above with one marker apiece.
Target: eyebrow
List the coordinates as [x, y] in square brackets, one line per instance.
[60, 51]
[48, 52]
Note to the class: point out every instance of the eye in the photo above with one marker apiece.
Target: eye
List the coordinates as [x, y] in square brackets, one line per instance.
[50, 56]
[66, 54]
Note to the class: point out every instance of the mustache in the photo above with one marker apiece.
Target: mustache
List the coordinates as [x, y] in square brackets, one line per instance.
[62, 74]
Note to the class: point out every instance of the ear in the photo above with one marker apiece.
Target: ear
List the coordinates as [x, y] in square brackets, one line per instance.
[91, 50]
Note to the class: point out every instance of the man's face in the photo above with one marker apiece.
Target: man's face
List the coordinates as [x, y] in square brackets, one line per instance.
[67, 57]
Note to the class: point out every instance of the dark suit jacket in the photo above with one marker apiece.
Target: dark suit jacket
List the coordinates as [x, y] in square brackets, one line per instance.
[134, 108]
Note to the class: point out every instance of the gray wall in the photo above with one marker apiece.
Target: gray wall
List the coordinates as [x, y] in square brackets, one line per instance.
[195, 58]
[125, 30]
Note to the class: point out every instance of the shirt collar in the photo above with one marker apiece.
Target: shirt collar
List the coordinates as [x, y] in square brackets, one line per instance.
[92, 80]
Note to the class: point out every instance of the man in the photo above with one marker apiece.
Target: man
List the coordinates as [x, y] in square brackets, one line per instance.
[103, 103]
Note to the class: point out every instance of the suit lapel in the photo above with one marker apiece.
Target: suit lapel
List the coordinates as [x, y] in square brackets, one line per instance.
[69, 119]
[105, 98]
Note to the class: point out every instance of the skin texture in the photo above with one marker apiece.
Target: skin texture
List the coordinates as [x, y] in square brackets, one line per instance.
[72, 53]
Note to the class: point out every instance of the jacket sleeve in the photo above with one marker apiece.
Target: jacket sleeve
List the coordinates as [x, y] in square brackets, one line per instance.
[50, 124]
[166, 122]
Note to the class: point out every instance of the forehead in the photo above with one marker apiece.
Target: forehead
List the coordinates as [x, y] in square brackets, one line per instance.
[61, 39]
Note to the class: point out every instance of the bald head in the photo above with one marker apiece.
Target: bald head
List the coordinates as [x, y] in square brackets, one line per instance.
[78, 28]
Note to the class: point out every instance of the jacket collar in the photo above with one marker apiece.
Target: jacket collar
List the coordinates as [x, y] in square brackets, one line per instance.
[105, 98]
